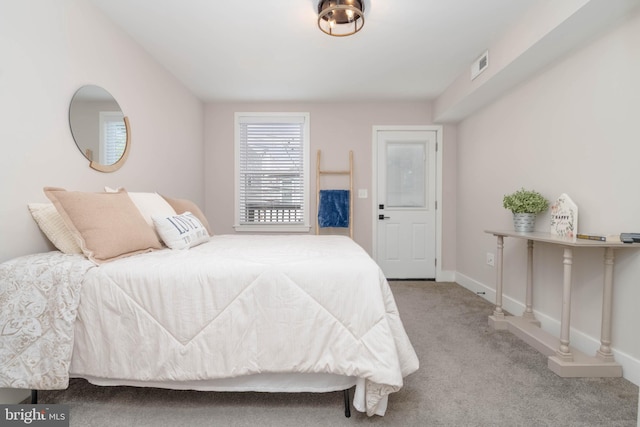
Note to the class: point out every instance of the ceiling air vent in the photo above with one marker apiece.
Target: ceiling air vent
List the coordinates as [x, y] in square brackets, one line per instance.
[479, 65]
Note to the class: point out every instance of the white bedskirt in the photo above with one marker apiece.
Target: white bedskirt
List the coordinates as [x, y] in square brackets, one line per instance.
[267, 383]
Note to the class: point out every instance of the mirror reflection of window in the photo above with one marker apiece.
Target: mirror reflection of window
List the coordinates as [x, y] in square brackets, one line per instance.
[113, 136]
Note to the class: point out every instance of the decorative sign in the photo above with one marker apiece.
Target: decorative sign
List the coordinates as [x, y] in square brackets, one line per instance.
[564, 217]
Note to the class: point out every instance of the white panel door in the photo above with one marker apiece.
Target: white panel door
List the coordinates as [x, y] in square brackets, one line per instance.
[406, 192]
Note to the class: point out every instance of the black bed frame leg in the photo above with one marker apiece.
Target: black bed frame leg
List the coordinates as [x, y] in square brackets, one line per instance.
[34, 397]
[347, 405]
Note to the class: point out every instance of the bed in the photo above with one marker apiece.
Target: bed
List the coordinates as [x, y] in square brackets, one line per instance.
[274, 313]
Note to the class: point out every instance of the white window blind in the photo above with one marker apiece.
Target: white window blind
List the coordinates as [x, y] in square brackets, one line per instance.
[114, 137]
[272, 181]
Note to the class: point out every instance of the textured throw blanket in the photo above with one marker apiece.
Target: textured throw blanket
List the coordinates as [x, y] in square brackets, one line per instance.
[39, 296]
[333, 210]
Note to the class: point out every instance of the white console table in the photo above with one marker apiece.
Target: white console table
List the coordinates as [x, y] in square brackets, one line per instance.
[562, 359]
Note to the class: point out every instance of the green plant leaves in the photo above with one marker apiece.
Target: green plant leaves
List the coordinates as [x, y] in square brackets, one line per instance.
[525, 201]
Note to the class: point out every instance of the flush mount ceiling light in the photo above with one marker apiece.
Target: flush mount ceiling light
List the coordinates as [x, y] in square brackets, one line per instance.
[340, 17]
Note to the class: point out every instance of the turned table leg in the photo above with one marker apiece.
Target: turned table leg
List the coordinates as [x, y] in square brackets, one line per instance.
[497, 312]
[605, 352]
[564, 352]
[528, 311]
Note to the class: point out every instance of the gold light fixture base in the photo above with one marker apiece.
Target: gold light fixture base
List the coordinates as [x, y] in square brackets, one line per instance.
[340, 18]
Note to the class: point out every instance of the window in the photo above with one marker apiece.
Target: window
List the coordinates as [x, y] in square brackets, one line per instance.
[272, 182]
[113, 137]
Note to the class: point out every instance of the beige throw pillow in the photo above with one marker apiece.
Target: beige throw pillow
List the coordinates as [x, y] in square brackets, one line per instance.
[108, 226]
[184, 205]
[53, 226]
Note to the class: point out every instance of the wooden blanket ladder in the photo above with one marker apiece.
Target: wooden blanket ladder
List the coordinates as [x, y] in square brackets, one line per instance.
[321, 172]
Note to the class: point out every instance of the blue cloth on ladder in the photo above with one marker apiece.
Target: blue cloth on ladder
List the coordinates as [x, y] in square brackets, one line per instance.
[333, 210]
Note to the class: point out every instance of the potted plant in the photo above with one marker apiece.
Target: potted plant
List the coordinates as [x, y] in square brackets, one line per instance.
[525, 205]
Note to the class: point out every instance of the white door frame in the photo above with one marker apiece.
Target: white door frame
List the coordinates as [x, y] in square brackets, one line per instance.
[374, 183]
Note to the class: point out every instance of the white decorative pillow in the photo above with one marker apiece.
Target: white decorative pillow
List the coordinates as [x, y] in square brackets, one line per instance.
[53, 226]
[181, 231]
[149, 204]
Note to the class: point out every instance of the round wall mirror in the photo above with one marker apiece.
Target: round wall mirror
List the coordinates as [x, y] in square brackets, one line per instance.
[99, 128]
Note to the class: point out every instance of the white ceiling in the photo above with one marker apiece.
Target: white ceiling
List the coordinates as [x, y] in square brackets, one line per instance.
[272, 50]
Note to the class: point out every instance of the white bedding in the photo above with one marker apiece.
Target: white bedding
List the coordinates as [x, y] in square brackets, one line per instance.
[243, 305]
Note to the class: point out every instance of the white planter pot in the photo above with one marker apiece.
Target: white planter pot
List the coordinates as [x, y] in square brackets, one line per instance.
[524, 222]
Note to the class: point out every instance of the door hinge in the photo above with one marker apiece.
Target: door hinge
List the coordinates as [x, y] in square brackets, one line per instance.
[436, 147]
[435, 262]
[436, 205]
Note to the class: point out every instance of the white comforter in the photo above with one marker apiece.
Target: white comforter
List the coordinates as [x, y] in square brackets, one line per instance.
[242, 305]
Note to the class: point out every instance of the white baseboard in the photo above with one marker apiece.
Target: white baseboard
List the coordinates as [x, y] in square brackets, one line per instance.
[445, 276]
[579, 339]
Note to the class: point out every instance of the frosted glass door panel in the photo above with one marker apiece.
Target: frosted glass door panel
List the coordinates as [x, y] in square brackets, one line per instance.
[406, 175]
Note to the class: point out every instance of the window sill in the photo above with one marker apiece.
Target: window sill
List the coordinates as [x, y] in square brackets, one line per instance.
[262, 228]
